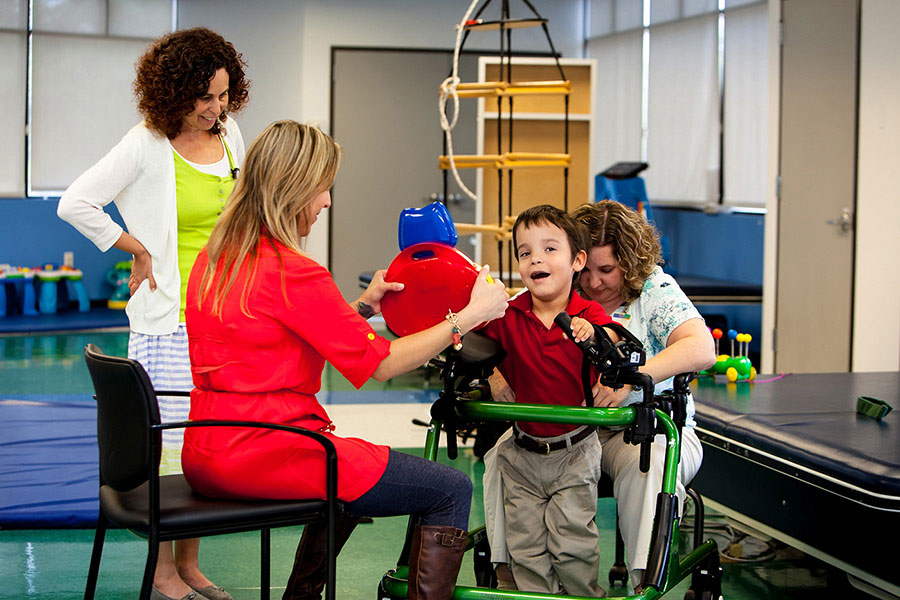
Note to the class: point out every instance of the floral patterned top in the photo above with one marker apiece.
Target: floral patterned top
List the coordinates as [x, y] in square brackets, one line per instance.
[652, 317]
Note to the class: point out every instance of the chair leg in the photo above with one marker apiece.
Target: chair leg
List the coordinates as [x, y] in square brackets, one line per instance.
[264, 560]
[150, 567]
[94, 569]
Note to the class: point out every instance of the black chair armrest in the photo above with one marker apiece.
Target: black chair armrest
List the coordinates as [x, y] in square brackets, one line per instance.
[323, 441]
[330, 455]
[171, 393]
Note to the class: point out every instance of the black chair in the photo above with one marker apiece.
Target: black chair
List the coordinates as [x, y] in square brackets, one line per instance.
[134, 496]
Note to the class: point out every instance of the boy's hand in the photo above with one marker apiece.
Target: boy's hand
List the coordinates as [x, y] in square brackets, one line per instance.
[500, 390]
[581, 329]
[608, 397]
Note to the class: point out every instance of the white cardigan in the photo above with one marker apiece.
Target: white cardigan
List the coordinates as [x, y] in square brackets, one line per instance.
[138, 174]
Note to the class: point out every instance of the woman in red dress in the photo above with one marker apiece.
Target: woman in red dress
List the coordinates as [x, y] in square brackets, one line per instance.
[262, 319]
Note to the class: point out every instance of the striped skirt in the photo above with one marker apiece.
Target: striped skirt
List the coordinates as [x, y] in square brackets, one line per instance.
[167, 362]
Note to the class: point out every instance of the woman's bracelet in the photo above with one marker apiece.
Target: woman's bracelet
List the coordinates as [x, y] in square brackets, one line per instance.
[453, 319]
[365, 311]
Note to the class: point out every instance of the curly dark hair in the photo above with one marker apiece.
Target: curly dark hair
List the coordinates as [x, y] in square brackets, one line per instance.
[176, 70]
[634, 241]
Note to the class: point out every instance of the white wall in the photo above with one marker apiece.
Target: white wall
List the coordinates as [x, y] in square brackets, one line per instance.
[287, 45]
[876, 311]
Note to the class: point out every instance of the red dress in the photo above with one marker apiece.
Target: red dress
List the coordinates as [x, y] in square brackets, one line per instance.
[268, 367]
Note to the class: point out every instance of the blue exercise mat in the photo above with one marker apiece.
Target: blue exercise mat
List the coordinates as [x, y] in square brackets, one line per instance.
[48, 462]
[72, 320]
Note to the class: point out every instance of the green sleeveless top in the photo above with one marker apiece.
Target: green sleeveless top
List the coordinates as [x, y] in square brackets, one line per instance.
[200, 198]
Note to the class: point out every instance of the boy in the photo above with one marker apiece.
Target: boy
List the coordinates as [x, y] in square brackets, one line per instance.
[548, 471]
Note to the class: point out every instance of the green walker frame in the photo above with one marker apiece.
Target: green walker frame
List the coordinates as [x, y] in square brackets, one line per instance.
[665, 566]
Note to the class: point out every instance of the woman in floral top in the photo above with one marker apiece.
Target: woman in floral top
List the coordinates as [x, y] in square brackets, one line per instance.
[624, 276]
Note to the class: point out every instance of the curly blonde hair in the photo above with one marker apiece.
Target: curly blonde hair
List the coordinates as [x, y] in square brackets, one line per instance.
[634, 242]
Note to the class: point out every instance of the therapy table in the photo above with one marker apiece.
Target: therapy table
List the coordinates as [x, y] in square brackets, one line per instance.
[791, 458]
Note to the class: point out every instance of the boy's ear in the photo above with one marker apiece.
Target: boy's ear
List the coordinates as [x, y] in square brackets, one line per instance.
[580, 260]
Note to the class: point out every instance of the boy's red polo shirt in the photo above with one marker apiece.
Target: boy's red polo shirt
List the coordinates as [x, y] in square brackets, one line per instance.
[543, 366]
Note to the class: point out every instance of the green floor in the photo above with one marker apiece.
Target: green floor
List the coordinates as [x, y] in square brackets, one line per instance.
[52, 564]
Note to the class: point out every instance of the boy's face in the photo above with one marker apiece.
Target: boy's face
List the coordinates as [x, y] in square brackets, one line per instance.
[545, 261]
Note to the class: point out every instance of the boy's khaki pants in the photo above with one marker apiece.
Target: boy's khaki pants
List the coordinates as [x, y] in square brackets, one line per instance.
[635, 492]
[549, 502]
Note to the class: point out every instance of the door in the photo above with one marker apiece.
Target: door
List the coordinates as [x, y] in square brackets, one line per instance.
[818, 175]
[385, 116]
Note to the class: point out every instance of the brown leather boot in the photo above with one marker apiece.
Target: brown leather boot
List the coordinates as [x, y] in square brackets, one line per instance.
[310, 570]
[434, 561]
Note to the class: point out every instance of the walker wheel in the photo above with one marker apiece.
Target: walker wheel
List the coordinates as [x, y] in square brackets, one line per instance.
[484, 570]
[704, 595]
[618, 576]
[381, 594]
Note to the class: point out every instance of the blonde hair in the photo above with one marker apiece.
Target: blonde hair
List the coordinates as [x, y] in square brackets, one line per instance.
[635, 243]
[286, 167]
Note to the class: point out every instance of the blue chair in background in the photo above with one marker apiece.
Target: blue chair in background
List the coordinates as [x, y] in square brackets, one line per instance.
[621, 183]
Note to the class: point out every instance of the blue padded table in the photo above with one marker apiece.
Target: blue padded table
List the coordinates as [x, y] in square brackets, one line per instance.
[792, 459]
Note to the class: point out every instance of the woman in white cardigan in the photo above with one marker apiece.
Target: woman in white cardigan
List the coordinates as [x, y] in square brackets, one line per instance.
[169, 177]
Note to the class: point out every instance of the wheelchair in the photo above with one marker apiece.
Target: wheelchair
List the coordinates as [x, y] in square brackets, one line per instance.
[464, 401]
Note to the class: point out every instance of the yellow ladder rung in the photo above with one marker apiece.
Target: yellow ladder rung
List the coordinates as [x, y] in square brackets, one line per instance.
[538, 84]
[536, 155]
[481, 85]
[535, 163]
[471, 161]
[480, 89]
[537, 87]
[513, 91]
[509, 160]
[491, 93]
[501, 233]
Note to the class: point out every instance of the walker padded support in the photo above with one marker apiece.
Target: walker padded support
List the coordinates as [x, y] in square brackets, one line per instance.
[663, 528]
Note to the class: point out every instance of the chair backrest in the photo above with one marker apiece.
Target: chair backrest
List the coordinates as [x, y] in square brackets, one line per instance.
[126, 408]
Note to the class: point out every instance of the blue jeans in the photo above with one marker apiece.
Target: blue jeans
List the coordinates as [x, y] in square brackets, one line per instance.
[411, 485]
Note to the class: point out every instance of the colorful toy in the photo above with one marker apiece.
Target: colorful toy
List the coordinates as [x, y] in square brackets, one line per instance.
[437, 278]
[10, 278]
[52, 281]
[717, 335]
[429, 224]
[736, 367]
[118, 277]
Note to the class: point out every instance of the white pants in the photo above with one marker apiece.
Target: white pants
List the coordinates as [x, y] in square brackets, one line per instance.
[635, 492]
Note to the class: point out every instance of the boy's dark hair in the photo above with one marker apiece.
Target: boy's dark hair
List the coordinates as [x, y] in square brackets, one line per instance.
[544, 213]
